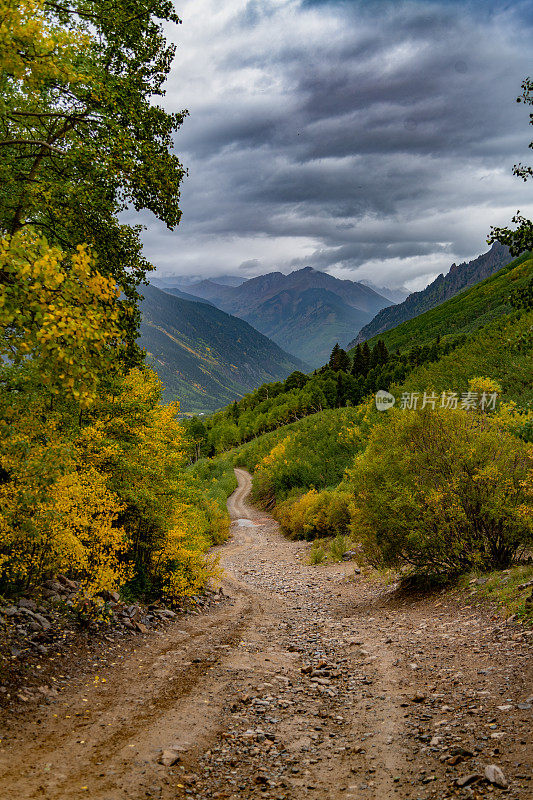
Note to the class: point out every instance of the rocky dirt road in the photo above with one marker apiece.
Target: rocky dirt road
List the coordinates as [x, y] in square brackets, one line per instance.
[309, 682]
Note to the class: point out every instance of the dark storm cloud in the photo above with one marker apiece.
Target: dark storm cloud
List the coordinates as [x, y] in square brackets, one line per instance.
[345, 134]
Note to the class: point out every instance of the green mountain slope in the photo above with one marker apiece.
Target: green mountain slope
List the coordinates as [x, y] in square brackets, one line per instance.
[307, 322]
[204, 357]
[465, 312]
[501, 350]
[185, 295]
[460, 277]
[318, 448]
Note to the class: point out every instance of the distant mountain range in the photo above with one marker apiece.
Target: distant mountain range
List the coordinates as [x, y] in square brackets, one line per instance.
[394, 295]
[460, 277]
[205, 357]
[305, 312]
[184, 281]
[229, 280]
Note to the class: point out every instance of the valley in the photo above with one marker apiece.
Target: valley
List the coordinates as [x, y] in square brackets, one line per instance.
[194, 334]
[204, 357]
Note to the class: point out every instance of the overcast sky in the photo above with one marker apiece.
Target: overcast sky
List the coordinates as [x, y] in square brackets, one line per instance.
[373, 140]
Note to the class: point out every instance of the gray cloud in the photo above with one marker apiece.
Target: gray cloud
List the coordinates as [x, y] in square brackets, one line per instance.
[250, 266]
[357, 136]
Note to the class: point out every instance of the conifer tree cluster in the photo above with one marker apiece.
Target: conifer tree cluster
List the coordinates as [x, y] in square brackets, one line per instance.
[339, 360]
[365, 359]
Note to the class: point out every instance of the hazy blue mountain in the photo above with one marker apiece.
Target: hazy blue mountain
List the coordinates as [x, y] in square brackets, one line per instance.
[228, 280]
[394, 295]
[305, 312]
[188, 282]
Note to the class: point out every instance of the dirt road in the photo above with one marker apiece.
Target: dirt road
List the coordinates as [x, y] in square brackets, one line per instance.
[309, 682]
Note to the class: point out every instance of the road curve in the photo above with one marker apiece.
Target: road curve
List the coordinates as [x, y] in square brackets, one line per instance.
[237, 508]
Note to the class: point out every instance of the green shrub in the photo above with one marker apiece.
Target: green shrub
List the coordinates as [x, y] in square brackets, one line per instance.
[317, 554]
[338, 547]
[443, 492]
[209, 483]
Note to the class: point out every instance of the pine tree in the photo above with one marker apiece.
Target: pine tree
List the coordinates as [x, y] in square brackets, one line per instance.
[333, 359]
[380, 354]
[339, 359]
[357, 364]
[343, 361]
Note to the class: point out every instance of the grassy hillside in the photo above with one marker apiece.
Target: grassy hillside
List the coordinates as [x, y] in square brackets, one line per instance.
[320, 452]
[319, 447]
[501, 350]
[205, 357]
[464, 313]
[274, 405]
[433, 492]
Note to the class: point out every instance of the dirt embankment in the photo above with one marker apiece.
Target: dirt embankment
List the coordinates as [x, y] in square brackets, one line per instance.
[309, 682]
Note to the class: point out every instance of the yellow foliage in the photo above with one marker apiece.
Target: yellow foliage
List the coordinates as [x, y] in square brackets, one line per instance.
[71, 528]
[91, 464]
[513, 418]
[275, 454]
[33, 51]
[180, 565]
[83, 530]
[356, 433]
[58, 311]
[105, 502]
[316, 514]
[140, 443]
[484, 385]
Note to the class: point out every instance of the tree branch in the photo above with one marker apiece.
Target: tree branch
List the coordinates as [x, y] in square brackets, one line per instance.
[66, 114]
[39, 142]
